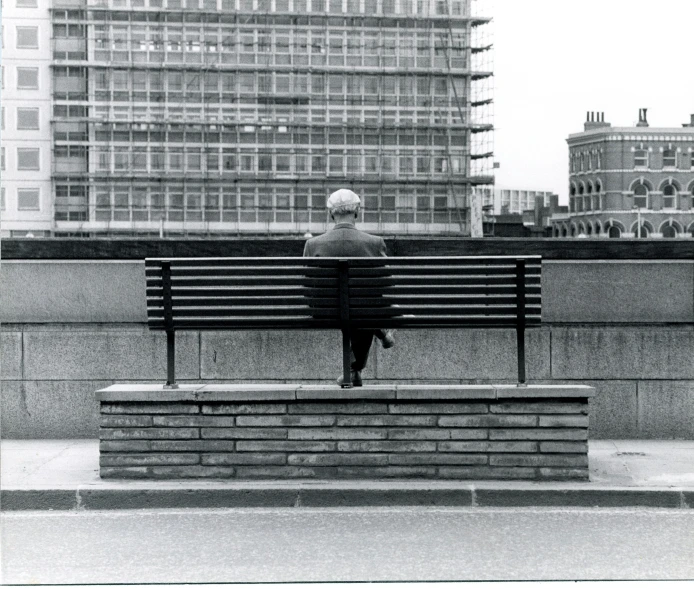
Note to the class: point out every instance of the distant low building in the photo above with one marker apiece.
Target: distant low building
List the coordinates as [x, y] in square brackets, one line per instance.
[510, 200]
[623, 178]
[534, 221]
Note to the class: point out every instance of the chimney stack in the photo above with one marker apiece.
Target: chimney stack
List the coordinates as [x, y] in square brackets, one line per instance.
[596, 120]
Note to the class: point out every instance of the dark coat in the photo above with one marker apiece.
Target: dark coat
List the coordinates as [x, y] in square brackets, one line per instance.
[345, 240]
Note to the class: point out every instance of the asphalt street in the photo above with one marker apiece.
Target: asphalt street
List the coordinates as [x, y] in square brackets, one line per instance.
[345, 544]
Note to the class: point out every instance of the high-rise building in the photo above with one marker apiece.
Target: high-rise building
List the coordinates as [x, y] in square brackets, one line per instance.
[240, 116]
[26, 192]
[629, 181]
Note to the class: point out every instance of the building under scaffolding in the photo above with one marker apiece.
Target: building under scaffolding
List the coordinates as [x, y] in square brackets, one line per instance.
[212, 117]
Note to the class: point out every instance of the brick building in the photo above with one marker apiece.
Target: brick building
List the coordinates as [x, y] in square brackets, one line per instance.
[622, 175]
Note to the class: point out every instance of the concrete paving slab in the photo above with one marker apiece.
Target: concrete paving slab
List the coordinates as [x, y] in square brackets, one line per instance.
[64, 474]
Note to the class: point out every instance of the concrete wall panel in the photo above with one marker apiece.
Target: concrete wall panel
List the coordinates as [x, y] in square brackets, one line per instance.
[666, 409]
[10, 355]
[598, 291]
[52, 291]
[46, 410]
[126, 354]
[271, 355]
[623, 353]
[462, 355]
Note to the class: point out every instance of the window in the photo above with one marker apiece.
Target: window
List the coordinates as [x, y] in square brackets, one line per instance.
[2, 199]
[641, 158]
[27, 118]
[669, 158]
[27, 78]
[28, 199]
[28, 158]
[27, 37]
[669, 196]
[641, 196]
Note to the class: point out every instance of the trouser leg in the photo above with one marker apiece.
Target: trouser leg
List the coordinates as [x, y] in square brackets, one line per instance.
[361, 345]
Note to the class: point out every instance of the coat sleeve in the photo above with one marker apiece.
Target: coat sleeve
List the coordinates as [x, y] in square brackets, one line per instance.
[307, 249]
[382, 248]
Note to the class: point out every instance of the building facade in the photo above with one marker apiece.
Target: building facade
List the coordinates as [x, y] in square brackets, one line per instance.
[26, 193]
[629, 181]
[505, 201]
[212, 117]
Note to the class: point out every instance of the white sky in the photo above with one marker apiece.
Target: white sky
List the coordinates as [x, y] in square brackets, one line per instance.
[556, 59]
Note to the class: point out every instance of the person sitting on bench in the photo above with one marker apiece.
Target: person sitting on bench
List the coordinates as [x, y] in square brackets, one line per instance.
[345, 240]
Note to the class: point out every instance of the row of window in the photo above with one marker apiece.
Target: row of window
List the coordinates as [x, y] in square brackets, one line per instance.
[283, 46]
[351, 163]
[276, 135]
[641, 159]
[670, 199]
[28, 159]
[668, 229]
[253, 114]
[27, 118]
[196, 197]
[28, 199]
[356, 7]
[197, 84]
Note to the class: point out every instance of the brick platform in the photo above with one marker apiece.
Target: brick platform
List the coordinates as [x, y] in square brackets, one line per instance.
[237, 432]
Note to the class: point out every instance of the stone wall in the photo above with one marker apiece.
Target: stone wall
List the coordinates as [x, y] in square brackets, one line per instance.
[625, 327]
[304, 431]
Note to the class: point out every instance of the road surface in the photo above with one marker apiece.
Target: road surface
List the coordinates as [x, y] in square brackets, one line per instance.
[346, 544]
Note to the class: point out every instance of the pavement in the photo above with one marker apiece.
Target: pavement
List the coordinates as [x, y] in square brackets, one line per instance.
[64, 475]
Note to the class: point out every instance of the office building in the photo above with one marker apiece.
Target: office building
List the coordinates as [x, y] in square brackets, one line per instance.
[214, 117]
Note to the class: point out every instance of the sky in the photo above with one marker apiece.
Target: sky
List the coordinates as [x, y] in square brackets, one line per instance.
[554, 60]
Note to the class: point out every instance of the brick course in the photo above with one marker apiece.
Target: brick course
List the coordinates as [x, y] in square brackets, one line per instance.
[349, 437]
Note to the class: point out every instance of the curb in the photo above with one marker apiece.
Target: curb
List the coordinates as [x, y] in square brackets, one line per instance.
[300, 496]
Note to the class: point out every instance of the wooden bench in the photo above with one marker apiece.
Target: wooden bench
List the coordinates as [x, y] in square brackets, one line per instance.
[496, 292]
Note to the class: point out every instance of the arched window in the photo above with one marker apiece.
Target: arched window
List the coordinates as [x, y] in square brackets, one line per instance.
[643, 233]
[614, 232]
[572, 190]
[589, 229]
[669, 231]
[581, 188]
[641, 196]
[589, 188]
[669, 196]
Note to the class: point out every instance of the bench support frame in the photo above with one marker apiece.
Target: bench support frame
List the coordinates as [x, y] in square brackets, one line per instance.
[170, 333]
[343, 278]
[520, 320]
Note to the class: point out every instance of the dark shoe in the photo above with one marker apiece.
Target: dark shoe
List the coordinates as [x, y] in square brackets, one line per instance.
[356, 379]
[388, 341]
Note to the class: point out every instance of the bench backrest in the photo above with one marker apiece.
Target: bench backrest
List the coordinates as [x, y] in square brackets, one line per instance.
[323, 293]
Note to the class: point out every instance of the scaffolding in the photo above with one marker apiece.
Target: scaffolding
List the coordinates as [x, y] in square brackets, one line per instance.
[217, 117]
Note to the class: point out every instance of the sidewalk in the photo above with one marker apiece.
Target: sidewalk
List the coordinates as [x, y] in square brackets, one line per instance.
[64, 474]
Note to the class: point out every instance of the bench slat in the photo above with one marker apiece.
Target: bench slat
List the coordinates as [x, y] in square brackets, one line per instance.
[319, 323]
[333, 301]
[331, 262]
[360, 292]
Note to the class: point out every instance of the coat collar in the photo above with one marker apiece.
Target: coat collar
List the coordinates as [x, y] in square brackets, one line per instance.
[344, 226]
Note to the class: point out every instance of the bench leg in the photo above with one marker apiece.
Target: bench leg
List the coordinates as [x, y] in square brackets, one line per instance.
[520, 339]
[171, 360]
[346, 360]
